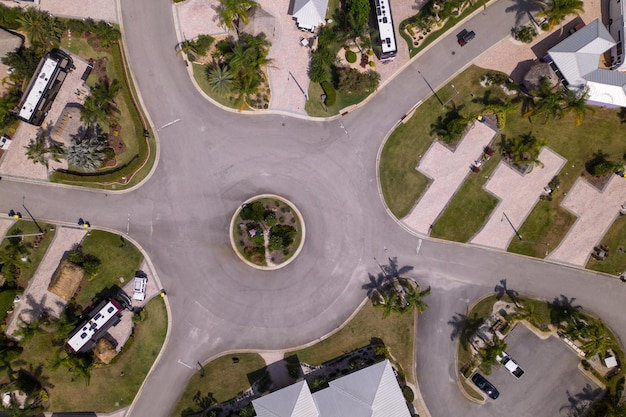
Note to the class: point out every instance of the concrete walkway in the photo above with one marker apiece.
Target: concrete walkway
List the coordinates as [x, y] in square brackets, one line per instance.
[37, 299]
[518, 194]
[448, 171]
[5, 225]
[95, 9]
[596, 211]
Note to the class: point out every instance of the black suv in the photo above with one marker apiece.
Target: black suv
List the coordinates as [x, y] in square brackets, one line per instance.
[464, 36]
[485, 386]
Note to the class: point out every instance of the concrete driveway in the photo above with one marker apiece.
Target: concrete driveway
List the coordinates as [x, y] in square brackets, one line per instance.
[551, 379]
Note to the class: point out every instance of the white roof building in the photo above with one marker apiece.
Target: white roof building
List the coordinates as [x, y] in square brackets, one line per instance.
[578, 61]
[309, 13]
[370, 392]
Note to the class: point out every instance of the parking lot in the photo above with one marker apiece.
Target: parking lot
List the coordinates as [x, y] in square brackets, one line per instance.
[551, 386]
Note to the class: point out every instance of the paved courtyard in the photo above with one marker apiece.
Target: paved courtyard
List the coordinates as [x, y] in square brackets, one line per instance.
[518, 195]
[96, 9]
[596, 210]
[447, 170]
[37, 299]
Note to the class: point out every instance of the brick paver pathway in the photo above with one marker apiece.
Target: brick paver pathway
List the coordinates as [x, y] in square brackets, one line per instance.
[518, 194]
[448, 170]
[596, 211]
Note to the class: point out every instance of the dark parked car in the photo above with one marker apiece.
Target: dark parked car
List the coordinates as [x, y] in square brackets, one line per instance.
[464, 36]
[485, 386]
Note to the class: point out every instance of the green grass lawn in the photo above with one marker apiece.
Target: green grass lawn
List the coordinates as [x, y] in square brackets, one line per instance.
[108, 388]
[314, 105]
[35, 255]
[469, 208]
[539, 231]
[117, 261]
[222, 378]
[614, 238]
[7, 295]
[395, 331]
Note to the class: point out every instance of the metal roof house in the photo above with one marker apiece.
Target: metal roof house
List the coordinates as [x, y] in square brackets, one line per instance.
[577, 62]
[309, 14]
[370, 392]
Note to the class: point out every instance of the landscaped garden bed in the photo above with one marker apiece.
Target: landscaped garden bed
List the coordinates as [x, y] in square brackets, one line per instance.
[267, 231]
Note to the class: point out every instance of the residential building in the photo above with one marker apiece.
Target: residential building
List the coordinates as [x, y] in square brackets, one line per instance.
[309, 14]
[369, 392]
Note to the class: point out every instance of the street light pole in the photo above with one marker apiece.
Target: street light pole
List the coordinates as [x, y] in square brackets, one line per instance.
[511, 224]
[431, 88]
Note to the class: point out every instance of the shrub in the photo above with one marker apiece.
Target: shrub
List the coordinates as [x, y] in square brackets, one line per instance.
[370, 52]
[545, 27]
[372, 64]
[353, 81]
[601, 168]
[351, 57]
[203, 43]
[331, 94]
[526, 34]
[409, 396]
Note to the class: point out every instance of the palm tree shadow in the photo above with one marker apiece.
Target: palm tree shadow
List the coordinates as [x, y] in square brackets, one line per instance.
[562, 308]
[523, 8]
[501, 290]
[464, 327]
[392, 269]
[38, 309]
[578, 404]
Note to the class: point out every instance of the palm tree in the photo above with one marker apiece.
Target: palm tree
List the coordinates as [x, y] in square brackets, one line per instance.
[577, 102]
[596, 339]
[187, 47]
[549, 102]
[105, 92]
[91, 112]
[557, 10]
[87, 154]
[33, 22]
[392, 304]
[36, 150]
[230, 12]
[528, 311]
[415, 299]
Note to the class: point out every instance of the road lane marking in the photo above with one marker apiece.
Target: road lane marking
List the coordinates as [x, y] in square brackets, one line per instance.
[168, 124]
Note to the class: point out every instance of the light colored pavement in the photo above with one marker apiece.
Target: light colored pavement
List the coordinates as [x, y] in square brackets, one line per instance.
[448, 171]
[95, 9]
[15, 162]
[5, 225]
[198, 17]
[596, 210]
[518, 195]
[211, 161]
[37, 299]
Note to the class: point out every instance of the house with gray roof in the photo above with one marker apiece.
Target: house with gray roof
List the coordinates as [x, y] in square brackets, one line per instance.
[578, 61]
[369, 392]
[8, 42]
[309, 14]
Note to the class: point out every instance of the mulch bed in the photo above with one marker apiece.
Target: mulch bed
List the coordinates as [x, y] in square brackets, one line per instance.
[598, 182]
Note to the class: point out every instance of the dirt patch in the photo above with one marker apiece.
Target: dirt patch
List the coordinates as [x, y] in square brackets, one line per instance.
[115, 139]
[104, 351]
[598, 182]
[66, 280]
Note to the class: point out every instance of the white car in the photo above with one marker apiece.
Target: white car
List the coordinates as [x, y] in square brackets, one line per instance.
[5, 143]
[139, 289]
[510, 364]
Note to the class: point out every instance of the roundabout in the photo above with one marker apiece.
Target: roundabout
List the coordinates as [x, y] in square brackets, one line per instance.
[267, 232]
[211, 161]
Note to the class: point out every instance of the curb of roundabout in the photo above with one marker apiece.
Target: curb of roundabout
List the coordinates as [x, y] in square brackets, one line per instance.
[302, 231]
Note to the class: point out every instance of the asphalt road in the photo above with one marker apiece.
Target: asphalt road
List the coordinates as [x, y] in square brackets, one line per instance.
[212, 160]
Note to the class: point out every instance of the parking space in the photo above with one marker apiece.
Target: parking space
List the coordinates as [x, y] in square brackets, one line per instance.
[551, 380]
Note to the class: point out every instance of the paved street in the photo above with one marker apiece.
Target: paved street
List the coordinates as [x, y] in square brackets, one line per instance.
[211, 161]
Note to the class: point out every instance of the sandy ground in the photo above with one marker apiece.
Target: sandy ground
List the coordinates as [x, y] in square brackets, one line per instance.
[448, 171]
[37, 298]
[518, 195]
[596, 212]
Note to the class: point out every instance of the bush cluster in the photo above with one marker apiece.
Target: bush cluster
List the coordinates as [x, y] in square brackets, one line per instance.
[88, 262]
[351, 57]
[329, 90]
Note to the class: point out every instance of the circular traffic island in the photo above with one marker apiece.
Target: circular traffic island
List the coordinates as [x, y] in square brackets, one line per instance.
[267, 232]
